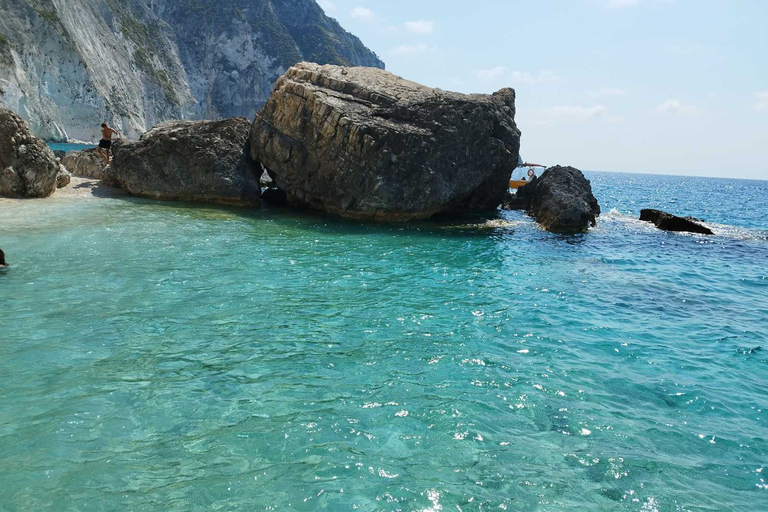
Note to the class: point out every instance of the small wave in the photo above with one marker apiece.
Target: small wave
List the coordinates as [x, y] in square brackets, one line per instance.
[489, 224]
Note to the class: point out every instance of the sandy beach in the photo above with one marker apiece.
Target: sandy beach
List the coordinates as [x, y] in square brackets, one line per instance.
[78, 188]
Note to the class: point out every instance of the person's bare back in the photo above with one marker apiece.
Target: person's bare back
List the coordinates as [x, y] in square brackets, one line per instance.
[106, 142]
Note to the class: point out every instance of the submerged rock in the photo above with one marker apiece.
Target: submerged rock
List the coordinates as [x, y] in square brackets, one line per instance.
[364, 143]
[668, 222]
[561, 200]
[28, 167]
[199, 161]
[85, 164]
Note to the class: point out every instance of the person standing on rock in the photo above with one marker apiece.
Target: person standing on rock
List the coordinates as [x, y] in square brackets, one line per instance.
[106, 142]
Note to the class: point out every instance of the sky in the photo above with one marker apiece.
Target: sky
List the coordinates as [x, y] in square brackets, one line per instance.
[651, 86]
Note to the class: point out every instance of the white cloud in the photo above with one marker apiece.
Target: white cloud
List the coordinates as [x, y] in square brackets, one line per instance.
[576, 112]
[559, 114]
[363, 13]
[417, 49]
[420, 26]
[608, 92]
[518, 77]
[761, 100]
[677, 107]
[327, 5]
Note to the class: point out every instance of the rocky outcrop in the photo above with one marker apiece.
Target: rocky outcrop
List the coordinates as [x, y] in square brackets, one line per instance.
[668, 222]
[67, 66]
[364, 143]
[561, 200]
[199, 161]
[63, 177]
[85, 164]
[28, 168]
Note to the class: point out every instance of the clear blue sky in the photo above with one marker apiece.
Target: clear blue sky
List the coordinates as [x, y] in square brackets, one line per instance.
[658, 86]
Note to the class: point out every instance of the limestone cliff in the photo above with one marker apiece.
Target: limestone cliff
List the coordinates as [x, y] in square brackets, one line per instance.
[68, 65]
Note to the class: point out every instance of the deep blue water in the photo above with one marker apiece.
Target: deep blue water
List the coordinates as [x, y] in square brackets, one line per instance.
[158, 356]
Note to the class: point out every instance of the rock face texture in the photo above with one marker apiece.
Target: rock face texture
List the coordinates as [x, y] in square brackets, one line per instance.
[199, 161]
[561, 200]
[66, 66]
[364, 143]
[63, 177]
[85, 164]
[668, 222]
[28, 168]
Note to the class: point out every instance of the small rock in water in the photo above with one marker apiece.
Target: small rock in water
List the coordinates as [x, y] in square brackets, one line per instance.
[561, 200]
[668, 222]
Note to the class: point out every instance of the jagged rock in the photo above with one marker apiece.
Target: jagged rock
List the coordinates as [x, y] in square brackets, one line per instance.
[199, 161]
[85, 164]
[28, 167]
[63, 177]
[58, 153]
[561, 200]
[668, 222]
[364, 143]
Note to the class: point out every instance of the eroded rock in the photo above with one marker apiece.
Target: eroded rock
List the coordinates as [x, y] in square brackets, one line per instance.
[364, 143]
[28, 168]
[561, 200]
[668, 222]
[63, 177]
[85, 164]
[198, 161]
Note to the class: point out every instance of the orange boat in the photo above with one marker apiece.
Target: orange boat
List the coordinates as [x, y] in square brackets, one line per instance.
[516, 184]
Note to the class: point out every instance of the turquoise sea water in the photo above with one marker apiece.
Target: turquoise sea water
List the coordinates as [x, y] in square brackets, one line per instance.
[70, 147]
[159, 356]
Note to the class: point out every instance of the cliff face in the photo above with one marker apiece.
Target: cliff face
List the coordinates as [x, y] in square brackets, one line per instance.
[68, 65]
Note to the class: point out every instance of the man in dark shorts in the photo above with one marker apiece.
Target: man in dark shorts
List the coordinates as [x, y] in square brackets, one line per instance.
[105, 144]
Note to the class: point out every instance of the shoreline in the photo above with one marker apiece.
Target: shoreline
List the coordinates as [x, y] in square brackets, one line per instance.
[78, 188]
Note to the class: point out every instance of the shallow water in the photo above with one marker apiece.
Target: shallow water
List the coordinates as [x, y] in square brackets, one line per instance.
[158, 356]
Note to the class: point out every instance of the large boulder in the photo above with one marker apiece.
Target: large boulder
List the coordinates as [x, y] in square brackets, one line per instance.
[85, 164]
[199, 161]
[364, 143]
[561, 200]
[28, 167]
[668, 222]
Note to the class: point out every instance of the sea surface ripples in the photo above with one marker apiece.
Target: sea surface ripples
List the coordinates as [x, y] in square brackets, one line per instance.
[165, 357]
